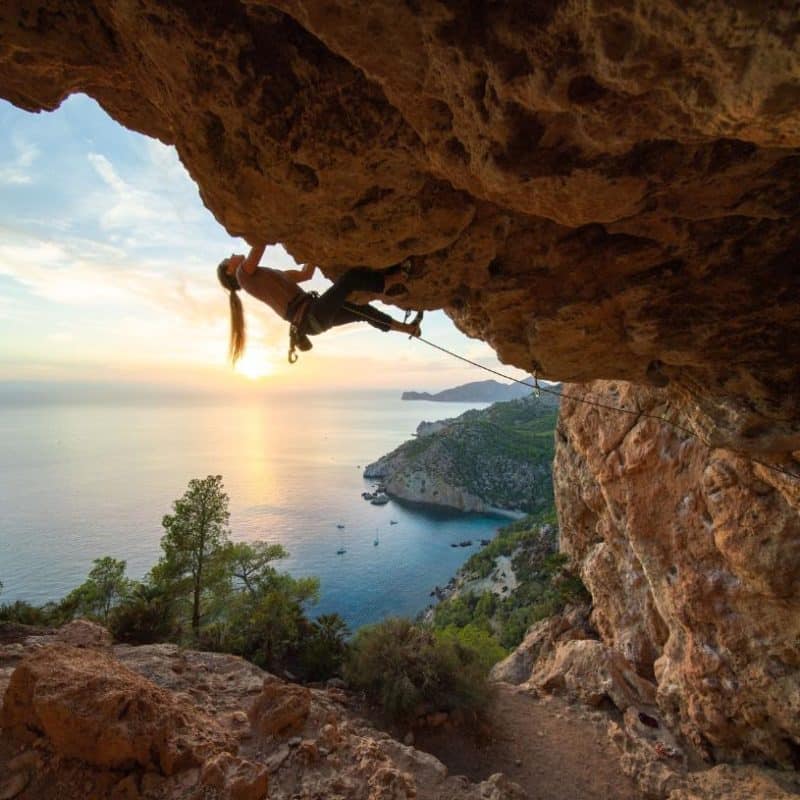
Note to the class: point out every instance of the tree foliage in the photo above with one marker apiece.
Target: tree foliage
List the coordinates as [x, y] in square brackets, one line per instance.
[544, 587]
[104, 588]
[195, 543]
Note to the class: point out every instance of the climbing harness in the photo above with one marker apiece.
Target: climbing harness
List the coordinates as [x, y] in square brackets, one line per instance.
[301, 342]
[301, 324]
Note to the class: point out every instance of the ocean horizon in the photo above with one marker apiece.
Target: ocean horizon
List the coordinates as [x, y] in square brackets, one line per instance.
[85, 476]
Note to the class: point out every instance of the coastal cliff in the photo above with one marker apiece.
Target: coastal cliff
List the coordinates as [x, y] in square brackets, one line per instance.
[497, 458]
[482, 392]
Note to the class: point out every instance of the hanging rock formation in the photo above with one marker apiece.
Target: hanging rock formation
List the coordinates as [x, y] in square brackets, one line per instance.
[600, 189]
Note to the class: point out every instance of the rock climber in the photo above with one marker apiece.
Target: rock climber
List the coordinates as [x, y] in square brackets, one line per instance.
[308, 313]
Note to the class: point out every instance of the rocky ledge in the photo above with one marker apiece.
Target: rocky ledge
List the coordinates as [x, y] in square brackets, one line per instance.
[82, 718]
[564, 656]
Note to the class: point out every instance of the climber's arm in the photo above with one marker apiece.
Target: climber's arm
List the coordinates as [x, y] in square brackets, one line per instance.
[300, 275]
[250, 264]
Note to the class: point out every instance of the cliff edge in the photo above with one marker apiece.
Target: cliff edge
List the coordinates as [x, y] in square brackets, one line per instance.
[499, 457]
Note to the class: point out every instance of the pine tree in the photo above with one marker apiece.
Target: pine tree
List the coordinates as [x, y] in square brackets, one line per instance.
[196, 540]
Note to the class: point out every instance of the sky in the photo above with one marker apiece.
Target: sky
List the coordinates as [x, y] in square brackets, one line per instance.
[107, 274]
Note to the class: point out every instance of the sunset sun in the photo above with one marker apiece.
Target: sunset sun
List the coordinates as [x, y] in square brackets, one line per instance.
[254, 365]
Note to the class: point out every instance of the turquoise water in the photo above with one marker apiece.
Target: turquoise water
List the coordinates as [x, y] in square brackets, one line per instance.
[79, 480]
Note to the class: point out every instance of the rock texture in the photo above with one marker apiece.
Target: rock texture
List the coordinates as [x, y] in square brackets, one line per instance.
[692, 556]
[158, 722]
[598, 188]
[97, 711]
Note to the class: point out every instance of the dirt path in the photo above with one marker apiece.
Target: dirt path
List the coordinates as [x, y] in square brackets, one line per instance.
[555, 751]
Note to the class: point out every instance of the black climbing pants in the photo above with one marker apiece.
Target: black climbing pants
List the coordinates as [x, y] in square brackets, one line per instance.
[331, 307]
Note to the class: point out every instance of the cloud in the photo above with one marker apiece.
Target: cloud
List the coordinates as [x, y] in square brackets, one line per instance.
[18, 171]
[152, 201]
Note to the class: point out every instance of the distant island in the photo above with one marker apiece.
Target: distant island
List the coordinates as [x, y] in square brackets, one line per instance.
[490, 391]
[500, 457]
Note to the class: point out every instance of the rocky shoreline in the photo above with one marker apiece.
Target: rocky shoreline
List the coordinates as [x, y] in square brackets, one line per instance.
[477, 462]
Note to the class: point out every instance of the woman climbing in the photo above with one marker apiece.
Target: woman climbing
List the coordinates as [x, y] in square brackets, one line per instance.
[307, 312]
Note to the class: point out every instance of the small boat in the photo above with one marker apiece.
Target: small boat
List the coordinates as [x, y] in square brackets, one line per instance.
[393, 522]
[380, 500]
[340, 526]
[341, 551]
[368, 495]
[376, 543]
[465, 543]
[484, 542]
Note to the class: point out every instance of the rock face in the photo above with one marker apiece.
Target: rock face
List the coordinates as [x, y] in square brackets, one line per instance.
[598, 188]
[158, 722]
[101, 713]
[692, 556]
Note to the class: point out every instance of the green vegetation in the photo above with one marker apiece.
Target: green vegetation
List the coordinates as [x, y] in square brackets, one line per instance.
[196, 544]
[544, 587]
[410, 670]
[207, 592]
[502, 454]
[104, 588]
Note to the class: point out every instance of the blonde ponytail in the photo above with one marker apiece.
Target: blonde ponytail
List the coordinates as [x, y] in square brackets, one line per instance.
[238, 337]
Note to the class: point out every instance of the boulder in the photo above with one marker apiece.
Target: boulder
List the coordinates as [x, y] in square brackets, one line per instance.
[593, 672]
[540, 641]
[90, 707]
[234, 778]
[84, 633]
[280, 709]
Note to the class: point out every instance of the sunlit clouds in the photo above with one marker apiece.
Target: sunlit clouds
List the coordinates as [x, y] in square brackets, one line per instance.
[107, 272]
[15, 169]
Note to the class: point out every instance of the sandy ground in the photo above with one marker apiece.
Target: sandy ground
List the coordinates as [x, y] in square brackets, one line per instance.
[554, 750]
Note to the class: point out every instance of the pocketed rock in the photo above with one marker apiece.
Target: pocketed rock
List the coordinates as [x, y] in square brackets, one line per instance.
[738, 783]
[234, 778]
[91, 708]
[281, 708]
[592, 672]
[694, 574]
[81, 697]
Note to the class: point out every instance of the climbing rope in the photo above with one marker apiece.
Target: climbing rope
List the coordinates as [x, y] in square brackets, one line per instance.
[538, 389]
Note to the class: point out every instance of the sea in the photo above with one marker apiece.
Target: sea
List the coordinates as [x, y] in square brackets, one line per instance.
[85, 478]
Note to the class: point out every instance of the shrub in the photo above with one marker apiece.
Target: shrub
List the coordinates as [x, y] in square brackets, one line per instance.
[478, 639]
[323, 648]
[408, 671]
[144, 617]
[24, 613]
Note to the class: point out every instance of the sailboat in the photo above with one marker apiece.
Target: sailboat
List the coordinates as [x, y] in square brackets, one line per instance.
[377, 541]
